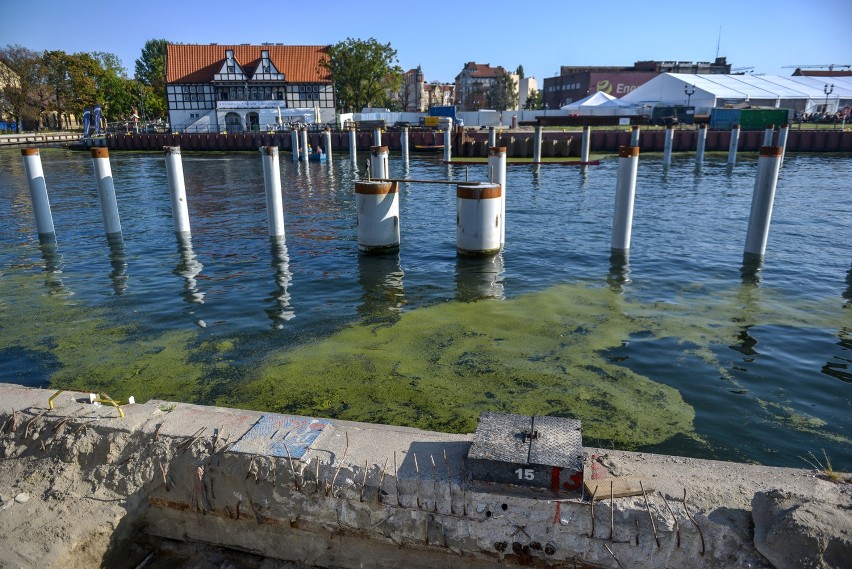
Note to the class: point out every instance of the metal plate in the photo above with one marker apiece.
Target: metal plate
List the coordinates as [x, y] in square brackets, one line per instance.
[559, 443]
[278, 435]
[500, 437]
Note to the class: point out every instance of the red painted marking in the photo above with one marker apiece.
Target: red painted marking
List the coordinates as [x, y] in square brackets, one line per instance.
[554, 478]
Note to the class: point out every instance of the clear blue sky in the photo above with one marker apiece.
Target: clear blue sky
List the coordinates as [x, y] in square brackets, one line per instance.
[540, 35]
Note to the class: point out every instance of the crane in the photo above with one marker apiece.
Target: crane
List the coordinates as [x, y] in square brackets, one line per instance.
[829, 66]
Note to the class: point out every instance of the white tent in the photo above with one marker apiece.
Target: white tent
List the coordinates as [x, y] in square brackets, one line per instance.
[711, 90]
[595, 99]
[598, 104]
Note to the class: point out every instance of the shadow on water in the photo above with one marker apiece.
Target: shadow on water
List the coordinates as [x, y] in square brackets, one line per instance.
[478, 278]
[381, 279]
[118, 260]
[52, 265]
[188, 268]
[619, 271]
[840, 367]
[281, 310]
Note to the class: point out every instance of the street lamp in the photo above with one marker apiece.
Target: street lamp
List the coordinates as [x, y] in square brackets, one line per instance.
[689, 90]
[828, 90]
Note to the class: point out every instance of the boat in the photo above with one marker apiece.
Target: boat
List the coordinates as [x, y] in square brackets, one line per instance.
[317, 157]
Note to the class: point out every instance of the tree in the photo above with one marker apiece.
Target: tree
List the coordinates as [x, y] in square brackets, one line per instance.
[503, 95]
[20, 82]
[520, 72]
[365, 73]
[151, 72]
[535, 101]
[116, 92]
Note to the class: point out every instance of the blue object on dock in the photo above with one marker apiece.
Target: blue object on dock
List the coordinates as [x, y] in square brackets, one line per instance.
[281, 436]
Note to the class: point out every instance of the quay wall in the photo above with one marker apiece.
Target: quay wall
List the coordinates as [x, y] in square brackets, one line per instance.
[347, 494]
[470, 143]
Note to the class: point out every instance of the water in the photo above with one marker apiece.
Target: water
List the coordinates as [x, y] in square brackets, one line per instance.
[731, 367]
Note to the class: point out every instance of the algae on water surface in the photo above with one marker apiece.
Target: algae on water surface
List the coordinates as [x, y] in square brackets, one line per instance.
[440, 367]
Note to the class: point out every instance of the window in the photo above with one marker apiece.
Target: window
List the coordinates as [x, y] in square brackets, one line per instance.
[232, 69]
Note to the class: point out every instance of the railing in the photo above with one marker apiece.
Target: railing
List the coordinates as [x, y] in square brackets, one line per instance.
[37, 138]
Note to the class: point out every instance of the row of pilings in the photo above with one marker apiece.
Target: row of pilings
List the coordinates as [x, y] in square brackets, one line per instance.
[475, 143]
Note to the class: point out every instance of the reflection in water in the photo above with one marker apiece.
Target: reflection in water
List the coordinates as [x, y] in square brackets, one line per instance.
[118, 260]
[188, 268]
[619, 270]
[751, 267]
[52, 265]
[748, 298]
[281, 311]
[479, 277]
[840, 367]
[584, 177]
[381, 278]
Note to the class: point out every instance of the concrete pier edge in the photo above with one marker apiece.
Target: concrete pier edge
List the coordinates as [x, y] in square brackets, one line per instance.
[358, 497]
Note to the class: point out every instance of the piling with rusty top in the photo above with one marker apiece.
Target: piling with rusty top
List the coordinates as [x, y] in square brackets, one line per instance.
[766, 180]
[497, 175]
[38, 192]
[377, 207]
[177, 189]
[625, 193]
[379, 162]
[478, 219]
[272, 187]
[106, 190]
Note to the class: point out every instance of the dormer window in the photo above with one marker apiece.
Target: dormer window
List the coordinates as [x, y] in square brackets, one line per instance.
[232, 69]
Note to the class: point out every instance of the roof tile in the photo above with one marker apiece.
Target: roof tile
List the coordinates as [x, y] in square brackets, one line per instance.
[192, 63]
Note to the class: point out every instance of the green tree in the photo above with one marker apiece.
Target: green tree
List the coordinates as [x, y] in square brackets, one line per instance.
[503, 94]
[520, 72]
[115, 91]
[151, 73]
[365, 73]
[21, 93]
[535, 101]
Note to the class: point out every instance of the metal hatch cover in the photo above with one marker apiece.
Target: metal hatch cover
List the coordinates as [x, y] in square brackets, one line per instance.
[499, 437]
[543, 452]
[559, 443]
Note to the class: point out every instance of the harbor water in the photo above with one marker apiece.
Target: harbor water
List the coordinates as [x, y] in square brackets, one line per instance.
[676, 351]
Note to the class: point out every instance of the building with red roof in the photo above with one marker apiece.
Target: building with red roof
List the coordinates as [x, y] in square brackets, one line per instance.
[213, 88]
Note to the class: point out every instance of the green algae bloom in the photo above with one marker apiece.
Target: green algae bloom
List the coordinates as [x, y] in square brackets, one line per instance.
[440, 367]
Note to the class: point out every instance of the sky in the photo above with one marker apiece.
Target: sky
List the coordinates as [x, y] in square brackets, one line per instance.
[540, 35]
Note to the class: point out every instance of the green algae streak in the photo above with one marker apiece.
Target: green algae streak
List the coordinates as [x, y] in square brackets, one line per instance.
[440, 367]
[91, 353]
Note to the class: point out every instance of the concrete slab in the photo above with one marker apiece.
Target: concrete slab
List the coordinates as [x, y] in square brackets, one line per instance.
[281, 436]
[185, 420]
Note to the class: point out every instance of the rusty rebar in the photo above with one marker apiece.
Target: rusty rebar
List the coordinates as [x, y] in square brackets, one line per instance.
[688, 515]
[381, 481]
[650, 517]
[592, 511]
[674, 517]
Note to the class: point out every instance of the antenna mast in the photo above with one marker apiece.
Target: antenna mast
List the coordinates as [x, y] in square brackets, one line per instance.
[718, 42]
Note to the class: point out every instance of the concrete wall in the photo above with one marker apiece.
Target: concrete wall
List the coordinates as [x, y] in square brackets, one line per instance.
[349, 494]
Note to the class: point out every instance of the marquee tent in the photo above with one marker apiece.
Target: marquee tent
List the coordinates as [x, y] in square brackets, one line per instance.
[598, 103]
[803, 94]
